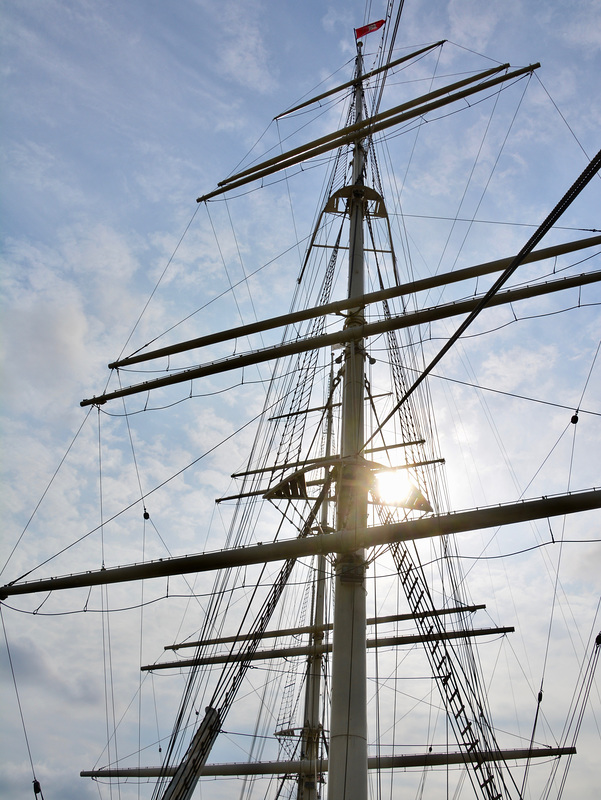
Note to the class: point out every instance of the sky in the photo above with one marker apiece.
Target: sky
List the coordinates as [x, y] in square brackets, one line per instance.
[115, 117]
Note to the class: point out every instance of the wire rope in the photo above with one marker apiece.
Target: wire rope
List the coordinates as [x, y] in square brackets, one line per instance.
[46, 490]
[36, 784]
[156, 286]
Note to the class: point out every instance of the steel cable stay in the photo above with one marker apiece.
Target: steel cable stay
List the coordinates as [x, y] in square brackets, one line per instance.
[579, 184]
[500, 152]
[575, 717]
[505, 223]
[46, 490]
[574, 422]
[556, 584]
[294, 426]
[244, 280]
[225, 692]
[451, 688]
[142, 604]
[37, 789]
[254, 419]
[110, 711]
[215, 298]
[463, 700]
[515, 395]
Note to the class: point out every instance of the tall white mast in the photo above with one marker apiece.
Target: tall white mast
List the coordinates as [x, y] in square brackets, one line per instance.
[348, 719]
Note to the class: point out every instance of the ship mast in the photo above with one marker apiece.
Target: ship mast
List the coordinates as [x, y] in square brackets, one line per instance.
[348, 719]
[347, 763]
[308, 783]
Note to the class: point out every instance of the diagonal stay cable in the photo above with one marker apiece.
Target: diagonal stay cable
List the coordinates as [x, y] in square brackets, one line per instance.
[583, 179]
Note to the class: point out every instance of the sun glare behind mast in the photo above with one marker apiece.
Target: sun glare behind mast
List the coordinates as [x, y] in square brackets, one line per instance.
[394, 487]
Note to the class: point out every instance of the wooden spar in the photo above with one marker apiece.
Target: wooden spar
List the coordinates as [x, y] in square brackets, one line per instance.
[270, 493]
[340, 541]
[309, 767]
[337, 306]
[348, 335]
[370, 126]
[367, 76]
[307, 650]
[357, 130]
[274, 634]
[323, 461]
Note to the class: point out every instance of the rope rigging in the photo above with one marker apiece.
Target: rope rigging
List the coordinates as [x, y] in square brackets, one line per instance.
[296, 433]
[37, 789]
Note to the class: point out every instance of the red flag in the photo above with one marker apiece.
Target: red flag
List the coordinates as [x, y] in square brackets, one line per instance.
[373, 26]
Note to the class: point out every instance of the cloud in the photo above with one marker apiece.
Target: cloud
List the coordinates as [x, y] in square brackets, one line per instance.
[243, 56]
[473, 24]
[57, 298]
[579, 24]
[508, 369]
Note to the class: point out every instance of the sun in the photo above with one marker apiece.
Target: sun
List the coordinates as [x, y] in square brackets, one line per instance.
[394, 488]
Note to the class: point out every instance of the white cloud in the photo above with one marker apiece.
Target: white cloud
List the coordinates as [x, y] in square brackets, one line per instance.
[580, 25]
[239, 30]
[473, 22]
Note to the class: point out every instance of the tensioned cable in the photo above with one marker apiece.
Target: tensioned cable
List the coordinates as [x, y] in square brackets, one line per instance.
[588, 377]
[100, 495]
[583, 179]
[551, 615]
[491, 173]
[133, 454]
[475, 52]
[576, 139]
[576, 711]
[162, 275]
[142, 604]
[471, 174]
[109, 691]
[414, 123]
[223, 262]
[496, 531]
[226, 291]
[579, 712]
[150, 491]
[491, 222]
[245, 280]
[289, 195]
[37, 788]
[389, 41]
[479, 386]
[574, 422]
[46, 490]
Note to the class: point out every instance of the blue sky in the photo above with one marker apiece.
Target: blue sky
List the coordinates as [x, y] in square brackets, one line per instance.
[116, 116]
